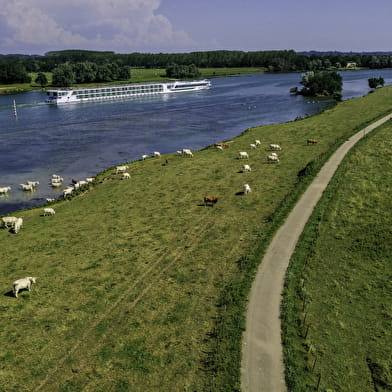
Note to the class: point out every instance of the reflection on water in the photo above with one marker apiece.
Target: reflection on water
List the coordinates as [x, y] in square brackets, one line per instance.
[80, 140]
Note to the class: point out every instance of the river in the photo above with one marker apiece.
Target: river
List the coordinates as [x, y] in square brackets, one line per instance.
[80, 140]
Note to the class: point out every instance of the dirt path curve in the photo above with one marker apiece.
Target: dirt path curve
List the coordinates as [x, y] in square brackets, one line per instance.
[262, 368]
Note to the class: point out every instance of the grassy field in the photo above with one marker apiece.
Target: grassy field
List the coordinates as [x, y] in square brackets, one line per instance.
[140, 286]
[338, 311]
[138, 75]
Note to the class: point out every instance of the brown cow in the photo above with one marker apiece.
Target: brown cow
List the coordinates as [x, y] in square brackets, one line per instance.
[312, 141]
[223, 145]
[210, 200]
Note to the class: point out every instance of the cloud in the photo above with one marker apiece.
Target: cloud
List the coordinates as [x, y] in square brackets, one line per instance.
[118, 25]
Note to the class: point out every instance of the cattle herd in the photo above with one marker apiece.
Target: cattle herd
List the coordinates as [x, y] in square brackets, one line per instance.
[16, 223]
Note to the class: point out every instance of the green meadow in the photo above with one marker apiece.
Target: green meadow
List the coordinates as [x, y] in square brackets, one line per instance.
[140, 286]
[338, 302]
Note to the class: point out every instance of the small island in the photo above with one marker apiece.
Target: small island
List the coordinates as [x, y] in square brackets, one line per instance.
[320, 84]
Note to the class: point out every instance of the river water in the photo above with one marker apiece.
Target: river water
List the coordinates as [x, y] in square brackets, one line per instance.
[80, 140]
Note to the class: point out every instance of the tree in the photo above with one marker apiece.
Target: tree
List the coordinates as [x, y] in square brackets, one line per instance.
[375, 82]
[63, 75]
[325, 83]
[13, 72]
[41, 79]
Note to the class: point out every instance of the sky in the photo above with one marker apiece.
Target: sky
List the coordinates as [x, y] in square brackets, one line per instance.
[173, 26]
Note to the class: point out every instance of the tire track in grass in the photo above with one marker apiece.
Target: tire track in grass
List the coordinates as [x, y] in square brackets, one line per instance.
[191, 237]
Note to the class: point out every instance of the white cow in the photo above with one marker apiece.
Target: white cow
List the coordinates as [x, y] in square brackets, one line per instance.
[55, 182]
[9, 220]
[219, 148]
[157, 154]
[50, 200]
[275, 147]
[126, 176]
[272, 158]
[257, 142]
[4, 189]
[121, 169]
[26, 187]
[21, 284]
[68, 191]
[49, 211]
[252, 146]
[246, 168]
[33, 183]
[90, 179]
[145, 156]
[18, 225]
[187, 153]
[243, 155]
[246, 188]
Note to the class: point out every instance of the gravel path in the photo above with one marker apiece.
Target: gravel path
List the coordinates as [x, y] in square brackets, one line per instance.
[262, 367]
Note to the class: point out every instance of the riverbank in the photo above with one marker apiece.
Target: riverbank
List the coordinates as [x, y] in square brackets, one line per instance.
[154, 286]
[138, 75]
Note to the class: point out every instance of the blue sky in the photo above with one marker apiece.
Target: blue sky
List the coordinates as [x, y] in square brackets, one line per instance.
[125, 26]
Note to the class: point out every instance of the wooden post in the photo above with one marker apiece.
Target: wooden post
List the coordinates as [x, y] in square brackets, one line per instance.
[318, 382]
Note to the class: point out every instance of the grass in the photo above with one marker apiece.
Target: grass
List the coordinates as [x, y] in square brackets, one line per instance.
[141, 286]
[338, 297]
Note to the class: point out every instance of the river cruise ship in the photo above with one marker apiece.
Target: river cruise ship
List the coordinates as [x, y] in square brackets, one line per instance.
[123, 91]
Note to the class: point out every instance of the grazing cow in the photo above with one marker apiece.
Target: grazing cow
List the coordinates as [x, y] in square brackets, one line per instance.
[4, 189]
[33, 183]
[246, 168]
[9, 220]
[90, 179]
[243, 155]
[272, 159]
[126, 176]
[157, 154]
[121, 169]
[210, 200]
[21, 284]
[246, 188]
[49, 211]
[275, 147]
[311, 141]
[68, 191]
[26, 187]
[145, 156]
[187, 153]
[252, 146]
[257, 142]
[18, 225]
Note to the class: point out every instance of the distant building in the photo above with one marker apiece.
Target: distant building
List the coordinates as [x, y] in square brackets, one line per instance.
[351, 65]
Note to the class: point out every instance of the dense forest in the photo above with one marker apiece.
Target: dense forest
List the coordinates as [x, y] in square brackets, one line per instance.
[13, 68]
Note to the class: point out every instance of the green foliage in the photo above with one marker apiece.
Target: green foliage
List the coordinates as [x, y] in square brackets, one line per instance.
[88, 72]
[63, 75]
[375, 82]
[325, 83]
[13, 72]
[41, 79]
[182, 71]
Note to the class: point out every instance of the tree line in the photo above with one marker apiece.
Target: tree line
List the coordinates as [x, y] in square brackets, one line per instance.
[13, 68]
